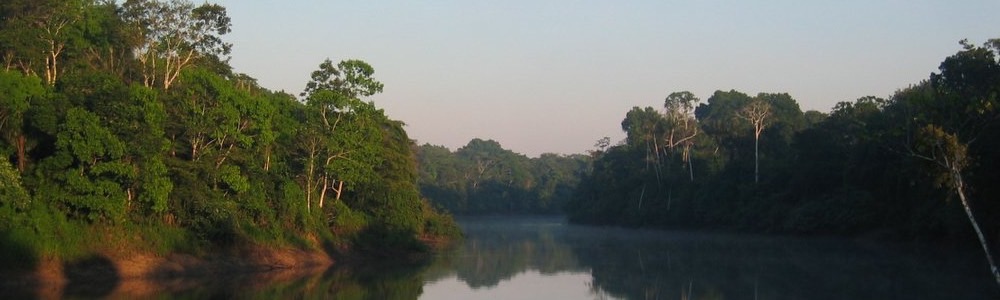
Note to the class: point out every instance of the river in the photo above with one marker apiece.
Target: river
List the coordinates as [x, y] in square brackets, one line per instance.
[545, 258]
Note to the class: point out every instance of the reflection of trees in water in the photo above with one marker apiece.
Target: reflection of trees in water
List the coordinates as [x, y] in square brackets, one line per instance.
[360, 282]
[636, 264]
[645, 265]
[661, 266]
[494, 251]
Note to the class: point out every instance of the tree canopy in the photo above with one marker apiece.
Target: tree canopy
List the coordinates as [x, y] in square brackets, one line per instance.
[869, 165]
[124, 115]
[484, 178]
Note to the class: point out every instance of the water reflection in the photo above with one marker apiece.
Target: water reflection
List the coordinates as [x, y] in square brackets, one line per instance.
[634, 264]
[543, 258]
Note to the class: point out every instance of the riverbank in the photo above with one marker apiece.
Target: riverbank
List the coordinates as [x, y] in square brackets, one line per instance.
[138, 274]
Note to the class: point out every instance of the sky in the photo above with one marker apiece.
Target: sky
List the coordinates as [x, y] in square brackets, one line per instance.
[555, 76]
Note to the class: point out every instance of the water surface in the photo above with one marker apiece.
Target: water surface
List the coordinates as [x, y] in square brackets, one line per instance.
[536, 258]
[545, 258]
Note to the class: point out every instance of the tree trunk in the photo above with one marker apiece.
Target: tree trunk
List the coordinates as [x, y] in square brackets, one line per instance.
[960, 188]
[340, 188]
[687, 156]
[322, 194]
[22, 157]
[267, 159]
[756, 159]
[310, 172]
[690, 169]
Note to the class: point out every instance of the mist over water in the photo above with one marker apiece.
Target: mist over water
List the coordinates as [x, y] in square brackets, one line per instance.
[646, 264]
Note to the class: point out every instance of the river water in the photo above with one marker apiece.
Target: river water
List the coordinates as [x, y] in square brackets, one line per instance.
[545, 258]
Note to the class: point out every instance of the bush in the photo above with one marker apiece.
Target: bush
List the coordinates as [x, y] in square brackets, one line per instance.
[438, 224]
[845, 211]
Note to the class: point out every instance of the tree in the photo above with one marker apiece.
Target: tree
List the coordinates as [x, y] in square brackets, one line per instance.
[17, 92]
[956, 107]
[14, 199]
[54, 24]
[718, 118]
[130, 113]
[170, 35]
[343, 137]
[643, 129]
[88, 169]
[681, 125]
[484, 157]
[351, 78]
[105, 43]
[950, 155]
[45, 27]
[756, 112]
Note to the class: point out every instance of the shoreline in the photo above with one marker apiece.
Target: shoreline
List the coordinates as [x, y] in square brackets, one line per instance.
[144, 274]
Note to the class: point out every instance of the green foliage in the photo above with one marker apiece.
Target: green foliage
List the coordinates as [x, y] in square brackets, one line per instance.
[438, 224]
[484, 178]
[944, 149]
[350, 78]
[853, 214]
[16, 92]
[144, 134]
[871, 165]
[347, 221]
[88, 168]
[13, 197]
[233, 179]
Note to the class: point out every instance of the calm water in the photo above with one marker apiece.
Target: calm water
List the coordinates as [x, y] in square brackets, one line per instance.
[544, 258]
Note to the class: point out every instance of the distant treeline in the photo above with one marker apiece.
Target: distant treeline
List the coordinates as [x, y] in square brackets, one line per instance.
[124, 127]
[903, 165]
[484, 178]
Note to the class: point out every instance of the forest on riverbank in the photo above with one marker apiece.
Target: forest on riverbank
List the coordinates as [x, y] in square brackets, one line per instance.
[889, 167]
[124, 128]
[903, 165]
[920, 165]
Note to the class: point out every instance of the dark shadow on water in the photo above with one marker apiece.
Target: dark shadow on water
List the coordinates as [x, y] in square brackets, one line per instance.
[17, 256]
[16, 260]
[92, 277]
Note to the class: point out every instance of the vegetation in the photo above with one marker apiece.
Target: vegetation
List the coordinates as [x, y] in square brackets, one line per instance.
[759, 163]
[124, 128]
[484, 178]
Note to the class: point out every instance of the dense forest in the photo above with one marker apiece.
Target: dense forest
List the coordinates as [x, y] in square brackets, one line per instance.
[484, 178]
[921, 164]
[760, 163]
[123, 126]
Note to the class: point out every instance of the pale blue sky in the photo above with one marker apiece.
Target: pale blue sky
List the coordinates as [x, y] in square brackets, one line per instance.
[554, 76]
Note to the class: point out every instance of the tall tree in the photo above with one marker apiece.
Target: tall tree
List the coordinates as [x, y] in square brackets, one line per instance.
[950, 155]
[757, 113]
[681, 125]
[718, 118]
[170, 35]
[351, 78]
[44, 27]
[342, 138]
[955, 108]
[644, 129]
